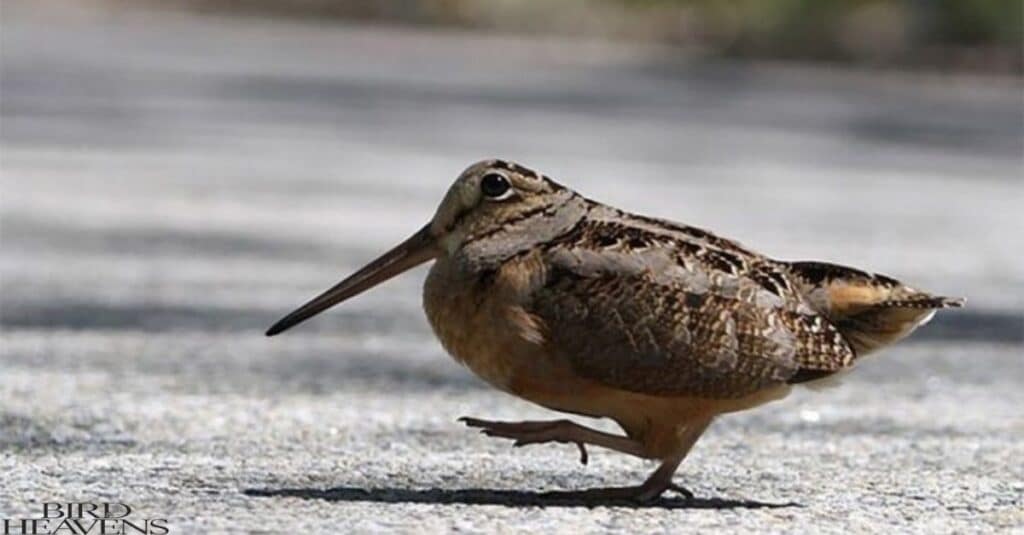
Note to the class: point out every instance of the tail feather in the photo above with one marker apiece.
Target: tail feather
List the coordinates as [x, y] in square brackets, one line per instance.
[870, 310]
[924, 301]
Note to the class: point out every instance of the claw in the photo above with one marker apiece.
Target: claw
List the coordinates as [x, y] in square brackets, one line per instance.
[584, 458]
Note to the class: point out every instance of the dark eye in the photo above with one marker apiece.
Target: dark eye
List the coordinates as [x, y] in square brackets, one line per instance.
[495, 186]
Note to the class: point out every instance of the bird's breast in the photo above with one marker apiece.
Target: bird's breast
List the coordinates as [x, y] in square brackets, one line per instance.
[462, 316]
[479, 319]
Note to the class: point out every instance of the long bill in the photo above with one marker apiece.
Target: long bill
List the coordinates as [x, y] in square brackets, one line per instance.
[419, 248]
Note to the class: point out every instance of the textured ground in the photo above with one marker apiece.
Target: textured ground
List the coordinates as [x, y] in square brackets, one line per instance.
[172, 185]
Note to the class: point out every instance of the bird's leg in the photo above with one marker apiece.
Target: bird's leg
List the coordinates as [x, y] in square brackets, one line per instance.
[564, 431]
[661, 479]
[650, 489]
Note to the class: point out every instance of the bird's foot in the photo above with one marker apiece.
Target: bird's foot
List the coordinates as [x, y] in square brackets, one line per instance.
[682, 491]
[645, 493]
[524, 433]
[635, 494]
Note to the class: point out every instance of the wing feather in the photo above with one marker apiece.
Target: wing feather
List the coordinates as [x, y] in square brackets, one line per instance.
[651, 321]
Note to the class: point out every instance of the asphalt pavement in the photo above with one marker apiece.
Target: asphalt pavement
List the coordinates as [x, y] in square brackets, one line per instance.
[174, 183]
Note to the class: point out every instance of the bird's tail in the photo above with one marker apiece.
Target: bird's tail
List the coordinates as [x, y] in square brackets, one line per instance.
[870, 310]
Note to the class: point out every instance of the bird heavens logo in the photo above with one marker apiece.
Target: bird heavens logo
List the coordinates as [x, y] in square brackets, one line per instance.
[85, 518]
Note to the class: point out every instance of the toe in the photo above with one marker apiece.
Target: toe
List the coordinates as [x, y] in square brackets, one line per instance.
[682, 491]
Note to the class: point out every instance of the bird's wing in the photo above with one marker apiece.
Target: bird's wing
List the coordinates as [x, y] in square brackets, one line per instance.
[653, 319]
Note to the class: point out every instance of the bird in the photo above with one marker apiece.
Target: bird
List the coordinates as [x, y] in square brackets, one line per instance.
[661, 327]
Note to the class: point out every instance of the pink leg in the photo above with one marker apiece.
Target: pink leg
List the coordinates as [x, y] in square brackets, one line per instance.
[565, 431]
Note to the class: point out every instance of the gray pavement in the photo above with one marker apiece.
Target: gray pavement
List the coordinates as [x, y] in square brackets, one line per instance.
[173, 183]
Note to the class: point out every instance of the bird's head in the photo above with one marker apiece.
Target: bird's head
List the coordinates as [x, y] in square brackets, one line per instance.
[495, 209]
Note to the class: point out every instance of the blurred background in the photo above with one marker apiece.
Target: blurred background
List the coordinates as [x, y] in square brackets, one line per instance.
[981, 36]
[177, 174]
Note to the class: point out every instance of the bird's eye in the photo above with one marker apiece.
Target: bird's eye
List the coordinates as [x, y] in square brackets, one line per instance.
[495, 186]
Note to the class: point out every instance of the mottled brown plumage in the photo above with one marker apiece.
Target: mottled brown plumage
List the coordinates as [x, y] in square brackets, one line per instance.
[584, 308]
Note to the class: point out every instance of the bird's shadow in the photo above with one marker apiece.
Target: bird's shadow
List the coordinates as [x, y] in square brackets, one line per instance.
[508, 498]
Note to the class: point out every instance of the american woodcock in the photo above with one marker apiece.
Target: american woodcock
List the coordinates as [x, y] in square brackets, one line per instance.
[583, 308]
